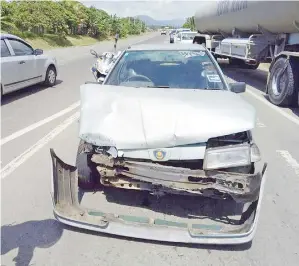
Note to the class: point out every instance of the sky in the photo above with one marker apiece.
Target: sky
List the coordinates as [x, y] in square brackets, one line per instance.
[159, 10]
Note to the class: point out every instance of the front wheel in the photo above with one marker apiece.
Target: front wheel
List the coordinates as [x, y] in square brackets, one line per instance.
[283, 83]
[51, 74]
[88, 176]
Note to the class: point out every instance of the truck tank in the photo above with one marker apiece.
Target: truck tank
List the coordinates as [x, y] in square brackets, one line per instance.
[274, 16]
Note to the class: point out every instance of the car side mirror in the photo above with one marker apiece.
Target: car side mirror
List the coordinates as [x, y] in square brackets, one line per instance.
[237, 87]
[38, 51]
[93, 52]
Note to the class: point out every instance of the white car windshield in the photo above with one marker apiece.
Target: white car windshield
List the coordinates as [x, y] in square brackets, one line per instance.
[184, 69]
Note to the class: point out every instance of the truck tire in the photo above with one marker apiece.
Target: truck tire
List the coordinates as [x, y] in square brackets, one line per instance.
[283, 87]
[88, 176]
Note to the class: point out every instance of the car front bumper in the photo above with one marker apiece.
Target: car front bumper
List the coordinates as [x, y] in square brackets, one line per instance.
[68, 211]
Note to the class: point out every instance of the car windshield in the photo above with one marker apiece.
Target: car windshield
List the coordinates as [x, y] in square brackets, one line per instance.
[184, 69]
[188, 35]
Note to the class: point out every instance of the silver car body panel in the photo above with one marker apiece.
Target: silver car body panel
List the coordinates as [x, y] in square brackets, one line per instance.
[138, 118]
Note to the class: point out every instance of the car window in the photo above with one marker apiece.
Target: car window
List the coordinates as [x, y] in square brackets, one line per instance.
[168, 69]
[20, 48]
[188, 36]
[4, 49]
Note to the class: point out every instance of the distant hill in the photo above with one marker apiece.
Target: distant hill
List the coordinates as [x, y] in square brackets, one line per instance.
[152, 22]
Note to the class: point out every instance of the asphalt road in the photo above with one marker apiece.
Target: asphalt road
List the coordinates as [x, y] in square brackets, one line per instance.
[33, 122]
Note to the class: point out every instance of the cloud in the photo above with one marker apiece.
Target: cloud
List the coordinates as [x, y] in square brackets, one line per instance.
[158, 9]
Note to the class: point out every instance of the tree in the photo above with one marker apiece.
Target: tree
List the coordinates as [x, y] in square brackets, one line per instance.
[190, 24]
[64, 18]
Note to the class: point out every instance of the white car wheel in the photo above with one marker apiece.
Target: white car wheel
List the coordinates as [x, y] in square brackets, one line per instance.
[50, 79]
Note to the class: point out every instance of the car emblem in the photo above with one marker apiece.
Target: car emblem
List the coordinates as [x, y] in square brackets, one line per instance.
[159, 154]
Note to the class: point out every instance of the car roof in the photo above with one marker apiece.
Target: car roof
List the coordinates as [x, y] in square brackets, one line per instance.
[188, 32]
[7, 35]
[166, 47]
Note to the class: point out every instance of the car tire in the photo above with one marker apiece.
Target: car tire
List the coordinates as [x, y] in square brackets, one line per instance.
[51, 74]
[88, 176]
[283, 92]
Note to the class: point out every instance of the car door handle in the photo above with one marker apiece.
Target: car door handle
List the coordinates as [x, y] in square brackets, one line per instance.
[22, 62]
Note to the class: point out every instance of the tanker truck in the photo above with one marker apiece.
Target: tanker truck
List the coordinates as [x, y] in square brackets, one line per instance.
[248, 33]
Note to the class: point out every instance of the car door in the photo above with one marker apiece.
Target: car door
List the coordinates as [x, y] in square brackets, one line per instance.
[10, 69]
[24, 55]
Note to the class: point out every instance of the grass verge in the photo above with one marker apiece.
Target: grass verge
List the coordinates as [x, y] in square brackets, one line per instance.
[52, 41]
[49, 41]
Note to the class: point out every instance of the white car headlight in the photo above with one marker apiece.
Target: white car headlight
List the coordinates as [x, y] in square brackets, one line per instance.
[226, 157]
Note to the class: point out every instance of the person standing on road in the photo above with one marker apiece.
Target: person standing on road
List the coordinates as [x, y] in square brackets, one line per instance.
[116, 39]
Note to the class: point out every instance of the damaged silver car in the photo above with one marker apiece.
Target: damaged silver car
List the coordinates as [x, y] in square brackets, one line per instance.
[164, 128]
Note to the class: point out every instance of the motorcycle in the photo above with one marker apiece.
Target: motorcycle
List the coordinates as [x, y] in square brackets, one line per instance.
[103, 64]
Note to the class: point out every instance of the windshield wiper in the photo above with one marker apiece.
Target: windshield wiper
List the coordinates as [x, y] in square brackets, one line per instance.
[157, 86]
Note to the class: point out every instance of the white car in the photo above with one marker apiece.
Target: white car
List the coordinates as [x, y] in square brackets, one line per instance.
[23, 66]
[164, 126]
[174, 34]
[186, 37]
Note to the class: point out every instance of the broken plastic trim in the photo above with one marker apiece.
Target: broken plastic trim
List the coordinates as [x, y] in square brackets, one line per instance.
[68, 211]
[241, 187]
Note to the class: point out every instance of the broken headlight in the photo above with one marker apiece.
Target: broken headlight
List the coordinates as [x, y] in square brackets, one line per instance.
[229, 156]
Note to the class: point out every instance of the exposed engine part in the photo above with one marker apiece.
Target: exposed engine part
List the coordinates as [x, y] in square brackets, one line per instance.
[151, 177]
[241, 137]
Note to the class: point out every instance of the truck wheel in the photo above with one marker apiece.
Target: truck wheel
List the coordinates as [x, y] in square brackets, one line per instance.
[87, 172]
[283, 86]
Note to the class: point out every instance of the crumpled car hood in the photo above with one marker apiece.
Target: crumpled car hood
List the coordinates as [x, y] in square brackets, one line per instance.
[144, 118]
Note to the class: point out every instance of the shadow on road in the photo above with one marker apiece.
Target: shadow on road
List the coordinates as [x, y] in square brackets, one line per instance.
[16, 95]
[28, 236]
[254, 78]
[295, 110]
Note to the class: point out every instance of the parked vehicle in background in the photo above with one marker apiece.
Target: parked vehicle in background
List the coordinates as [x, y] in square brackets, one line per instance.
[186, 37]
[252, 32]
[23, 66]
[137, 143]
[173, 35]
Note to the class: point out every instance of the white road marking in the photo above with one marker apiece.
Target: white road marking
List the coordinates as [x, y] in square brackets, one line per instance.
[40, 123]
[274, 107]
[22, 158]
[290, 160]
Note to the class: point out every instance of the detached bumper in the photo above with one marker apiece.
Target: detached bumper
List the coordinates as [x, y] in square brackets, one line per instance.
[68, 211]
